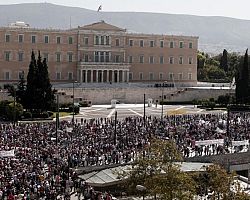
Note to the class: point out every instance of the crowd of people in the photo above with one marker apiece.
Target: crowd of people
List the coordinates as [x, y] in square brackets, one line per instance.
[44, 160]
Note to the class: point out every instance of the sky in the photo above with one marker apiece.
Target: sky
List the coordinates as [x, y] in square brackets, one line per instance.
[229, 8]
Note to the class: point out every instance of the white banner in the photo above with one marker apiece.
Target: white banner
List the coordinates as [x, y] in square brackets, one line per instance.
[209, 142]
[10, 153]
[239, 143]
[69, 130]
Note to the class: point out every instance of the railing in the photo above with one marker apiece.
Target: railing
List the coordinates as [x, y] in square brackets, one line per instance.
[104, 63]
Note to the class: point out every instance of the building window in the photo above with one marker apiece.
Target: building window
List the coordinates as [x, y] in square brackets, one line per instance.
[181, 45]
[58, 40]
[20, 56]
[161, 43]
[130, 59]
[86, 41]
[141, 59]
[70, 40]
[161, 59]
[33, 39]
[180, 76]
[58, 57]
[171, 60]
[7, 55]
[117, 58]
[151, 59]
[190, 45]
[70, 76]
[130, 76]
[20, 75]
[189, 76]
[20, 38]
[70, 57]
[171, 44]
[131, 43]
[107, 56]
[107, 40]
[141, 76]
[7, 38]
[46, 57]
[102, 40]
[7, 75]
[117, 42]
[190, 60]
[96, 56]
[171, 76]
[58, 75]
[151, 43]
[161, 76]
[151, 76]
[86, 58]
[180, 60]
[101, 56]
[96, 40]
[46, 39]
[141, 43]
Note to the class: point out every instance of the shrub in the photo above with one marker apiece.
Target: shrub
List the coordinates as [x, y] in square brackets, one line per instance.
[27, 115]
[50, 113]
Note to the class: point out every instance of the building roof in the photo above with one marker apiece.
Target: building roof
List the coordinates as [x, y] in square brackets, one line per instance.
[102, 25]
[110, 176]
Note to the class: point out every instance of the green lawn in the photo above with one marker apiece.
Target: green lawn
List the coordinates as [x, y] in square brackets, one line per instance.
[62, 114]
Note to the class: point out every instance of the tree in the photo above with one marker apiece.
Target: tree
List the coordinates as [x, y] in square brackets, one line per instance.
[158, 171]
[242, 81]
[224, 61]
[20, 92]
[39, 89]
[214, 72]
[31, 83]
[201, 59]
[14, 110]
[49, 93]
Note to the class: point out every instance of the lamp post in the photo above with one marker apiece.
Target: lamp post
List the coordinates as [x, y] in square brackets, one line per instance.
[115, 133]
[162, 100]
[57, 118]
[73, 108]
[162, 104]
[14, 113]
[144, 109]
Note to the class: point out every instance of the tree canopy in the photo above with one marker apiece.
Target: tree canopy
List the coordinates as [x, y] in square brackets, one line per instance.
[157, 171]
[37, 94]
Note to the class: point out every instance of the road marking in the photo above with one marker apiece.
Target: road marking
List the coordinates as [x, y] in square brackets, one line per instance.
[135, 112]
[87, 111]
[111, 113]
[179, 108]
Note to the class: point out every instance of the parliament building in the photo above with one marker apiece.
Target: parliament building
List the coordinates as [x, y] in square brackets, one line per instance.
[99, 52]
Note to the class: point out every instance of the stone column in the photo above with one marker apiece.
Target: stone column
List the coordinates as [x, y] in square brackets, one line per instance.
[107, 75]
[91, 76]
[86, 76]
[96, 76]
[113, 76]
[80, 76]
[127, 76]
[123, 76]
[118, 76]
[102, 76]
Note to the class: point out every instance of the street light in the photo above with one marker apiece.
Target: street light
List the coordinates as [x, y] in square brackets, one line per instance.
[115, 133]
[144, 109]
[14, 113]
[73, 108]
[57, 117]
[162, 100]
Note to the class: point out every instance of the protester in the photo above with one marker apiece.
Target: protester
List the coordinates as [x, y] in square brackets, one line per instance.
[43, 162]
